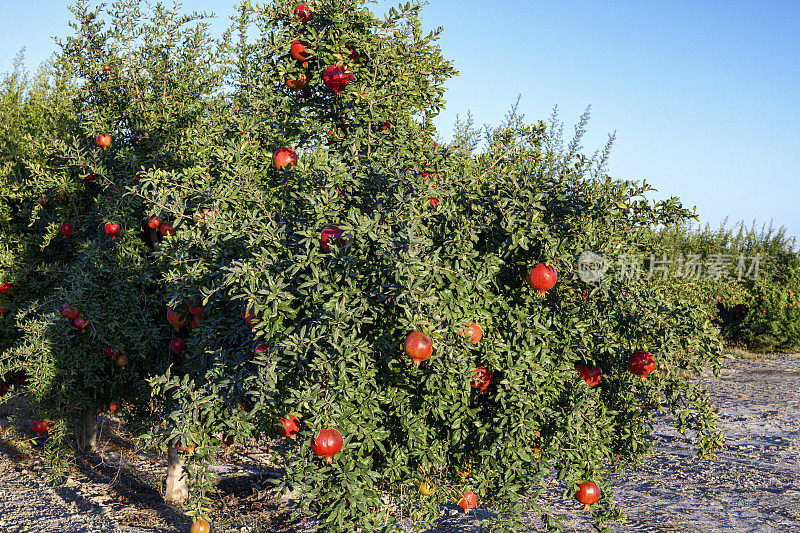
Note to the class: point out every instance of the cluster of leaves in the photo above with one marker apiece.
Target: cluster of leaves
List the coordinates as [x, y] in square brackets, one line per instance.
[754, 298]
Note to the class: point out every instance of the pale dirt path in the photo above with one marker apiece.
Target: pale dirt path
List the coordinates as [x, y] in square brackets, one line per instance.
[753, 486]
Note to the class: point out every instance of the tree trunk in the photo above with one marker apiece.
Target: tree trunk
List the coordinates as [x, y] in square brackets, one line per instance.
[86, 434]
[176, 491]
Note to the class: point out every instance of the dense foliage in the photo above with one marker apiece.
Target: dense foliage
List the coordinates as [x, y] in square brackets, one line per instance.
[291, 236]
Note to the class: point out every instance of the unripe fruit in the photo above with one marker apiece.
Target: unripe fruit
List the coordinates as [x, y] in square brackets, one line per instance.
[418, 347]
[328, 443]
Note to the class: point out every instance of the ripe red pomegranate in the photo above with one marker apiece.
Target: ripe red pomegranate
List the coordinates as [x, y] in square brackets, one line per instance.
[481, 378]
[80, 323]
[66, 229]
[284, 157]
[542, 278]
[113, 407]
[588, 493]
[194, 307]
[336, 78]
[386, 125]
[297, 83]
[166, 228]
[330, 232]
[39, 426]
[328, 443]
[418, 347]
[177, 345]
[112, 230]
[301, 51]
[591, 375]
[4, 288]
[261, 349]
[153, 222]
[641, 363]
[303, 13]
[290, 426]
[90, 176]
[103, 140]
[469, 500]
[472, 331]
[434, 202]
[111, 352]
[174, 319]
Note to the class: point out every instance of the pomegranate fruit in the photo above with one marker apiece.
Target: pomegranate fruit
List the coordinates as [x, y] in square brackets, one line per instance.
[66, 229]
[80, 323]
[297, 83]
[303, 13]
[112, 230]
[113, 407]
[588, 493]
[284, 157]
[329, 232]
[70, 313]
[301, 51]
[591, 375]
[354, 55]
[153, 222]
[290, 426]
[166, 228]
[39, 426]
[177, 345]
[174, 319]
[426, 488]
[336, 78]
[328, 443]
[103, 140]
[121, 360]
[641, 363]
[4, 288]
[111, 352]
[481, 378]
[542, 278]
[200, 526]
[469, 500]
[433, 202]
[472, 332]
[418, 347]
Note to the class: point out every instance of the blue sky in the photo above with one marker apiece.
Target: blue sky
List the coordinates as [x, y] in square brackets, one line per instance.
[704, 96]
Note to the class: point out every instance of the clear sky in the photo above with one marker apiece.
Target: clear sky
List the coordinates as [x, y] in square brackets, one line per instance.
[704, 95]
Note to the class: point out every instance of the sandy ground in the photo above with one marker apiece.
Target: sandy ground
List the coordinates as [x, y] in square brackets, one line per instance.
[753, 486]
